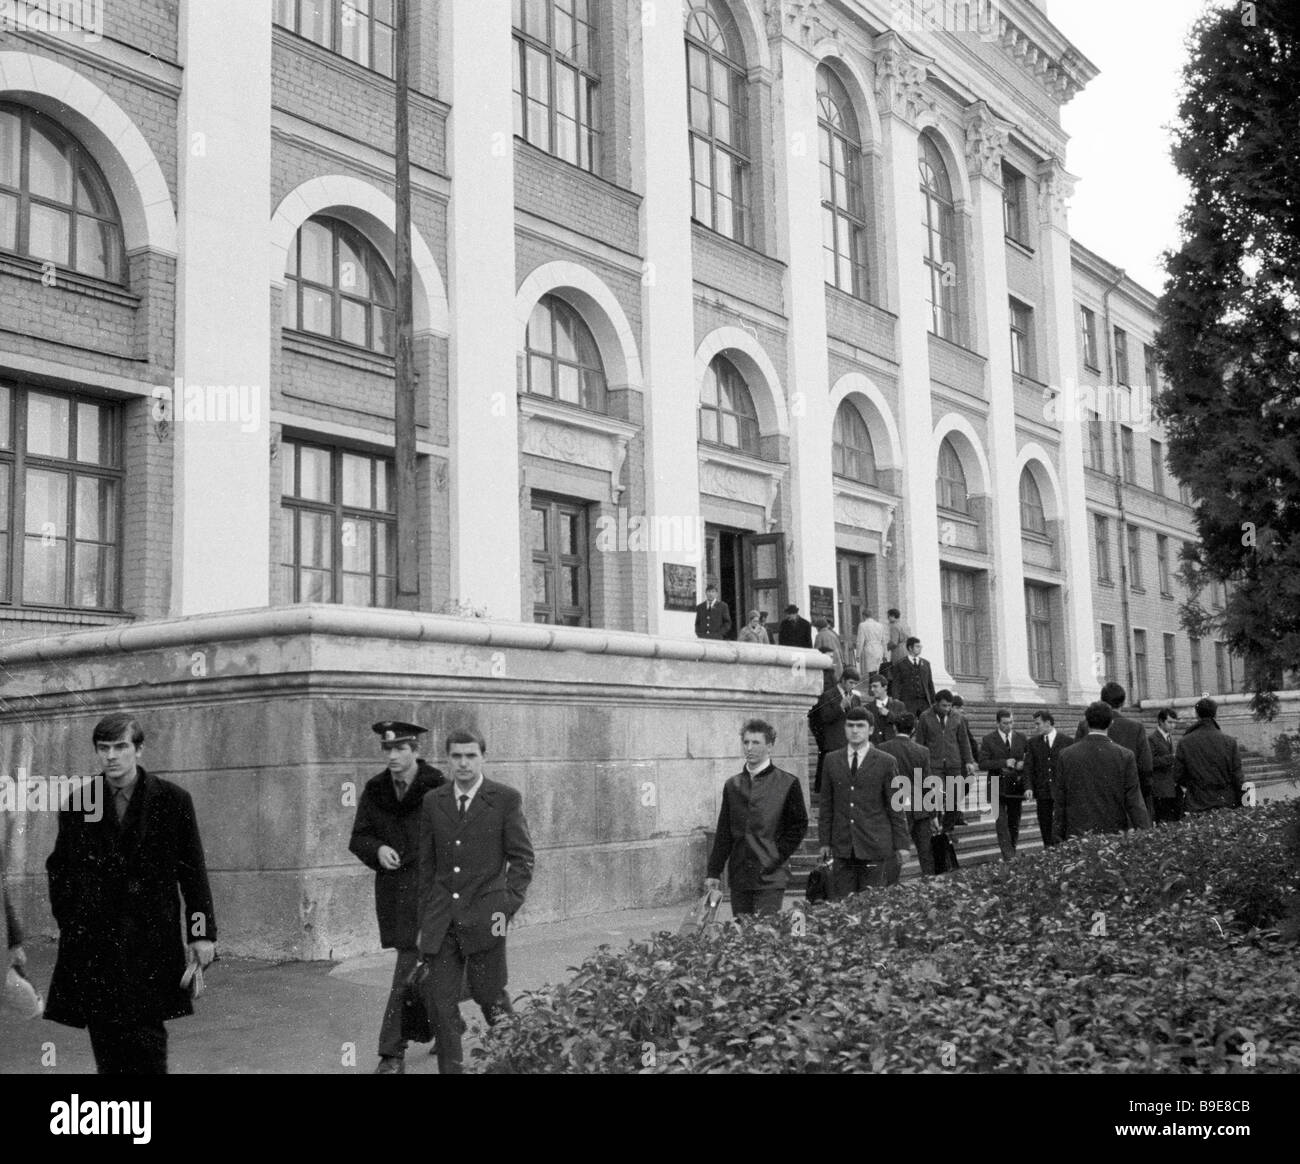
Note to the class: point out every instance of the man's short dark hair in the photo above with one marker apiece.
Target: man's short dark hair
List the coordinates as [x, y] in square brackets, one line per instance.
[1002, 714]
[792, 609]
[850, 673]
[944, 696]
[912, 639]
[958, 701]
[893, 612]
[1206, 708]
[118, 726]
[1113, 694]
[1099, 716]
[1046, 717]
[875, 677]
[857, 713]
[466, 736]
[905, 724]
[1165, 714]
[711, 586]
[762, 727]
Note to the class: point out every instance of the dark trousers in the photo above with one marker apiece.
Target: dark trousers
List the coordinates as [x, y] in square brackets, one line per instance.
[129, 1049]
[849, 875]
[391, 1043]
[1008, 826]
[1169, 809]
[486, 971]
[1044, 808]
[922, 831]
[755, 901]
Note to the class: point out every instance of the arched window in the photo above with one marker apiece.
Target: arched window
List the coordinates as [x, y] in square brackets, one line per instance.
[1033, 519]
[851, 453]
[951, 484]
[563, 361]
[844, 213]
[556, 74]
[727, 413]
[941, 267]
[339, 286]
[717, 92]
[54, 203]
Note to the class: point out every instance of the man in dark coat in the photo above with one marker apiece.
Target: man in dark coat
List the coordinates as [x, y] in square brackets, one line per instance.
[911, 682]
[114, 879]
[1207, 764]
[476, 862]
[794, 631]
[1165, 792]
[1042, 763]
[386, 837]
[859, 827]
[1097, 788]
[1002, 756]
[1128, 733]
[826, 719]
[943, 732]
[712, 616]
[762, 821]
[914, 762]
[885, 712]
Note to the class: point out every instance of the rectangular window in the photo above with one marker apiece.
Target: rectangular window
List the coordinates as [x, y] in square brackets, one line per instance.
[1158, 467]
[1038, 616]
[338, 514]
[61, 480]
[1134, 537]
[1013, 204]
[1096, 443]
[1101, 546]
[1184, 493]
[561, 561]
[1171, 668]
[1162, 564]
[1198, 680]
[960, 622]
[1127, 459]
[1021, 343]
[1140, 678]
[361, 30]
[1149, 366]
[1088, 319]
[1121, 356]
[1108, 650]
[1222, 674]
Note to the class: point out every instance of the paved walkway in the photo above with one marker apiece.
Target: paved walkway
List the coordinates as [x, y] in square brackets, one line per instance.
[310, 1017]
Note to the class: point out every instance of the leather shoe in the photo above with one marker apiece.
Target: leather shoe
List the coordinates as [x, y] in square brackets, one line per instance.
[391, 1065]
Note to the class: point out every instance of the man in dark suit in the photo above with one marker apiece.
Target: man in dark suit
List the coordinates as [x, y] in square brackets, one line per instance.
[712, 616]
[885, 712]
[859, 827]
[1165, 792]
[386, 837]
[1042, 762]
[1002, 756]
[914, 762]
[476, 861]
[826, 719]
[762, 821]
[1097, 788]
[943, 731]
[911, 683]
[1128, 733]
[114, 879]
[794, 631]
[1207, 764]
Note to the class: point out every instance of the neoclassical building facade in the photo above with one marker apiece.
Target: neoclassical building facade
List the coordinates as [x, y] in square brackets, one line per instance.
[787, 287]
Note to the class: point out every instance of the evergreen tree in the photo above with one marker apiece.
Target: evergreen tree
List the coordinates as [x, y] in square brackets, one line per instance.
[1230, 333]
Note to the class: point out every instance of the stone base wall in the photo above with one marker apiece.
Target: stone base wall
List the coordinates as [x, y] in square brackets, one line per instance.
[620, 745]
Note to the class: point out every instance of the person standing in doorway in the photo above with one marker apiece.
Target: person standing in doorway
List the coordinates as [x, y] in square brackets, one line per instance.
[794, 631]
[712, 616]
[873, 643]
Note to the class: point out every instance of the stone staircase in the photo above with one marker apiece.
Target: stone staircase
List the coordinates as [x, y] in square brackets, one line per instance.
[977, 841]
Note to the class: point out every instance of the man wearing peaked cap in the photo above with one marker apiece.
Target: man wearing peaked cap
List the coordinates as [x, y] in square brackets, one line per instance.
[386, 836]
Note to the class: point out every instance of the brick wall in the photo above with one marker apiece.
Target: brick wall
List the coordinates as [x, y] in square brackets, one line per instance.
[571, 197]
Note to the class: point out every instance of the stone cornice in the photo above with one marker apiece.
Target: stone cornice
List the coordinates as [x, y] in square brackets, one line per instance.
[806, 22]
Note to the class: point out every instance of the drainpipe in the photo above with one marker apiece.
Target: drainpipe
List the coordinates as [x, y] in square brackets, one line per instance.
[1118, 479]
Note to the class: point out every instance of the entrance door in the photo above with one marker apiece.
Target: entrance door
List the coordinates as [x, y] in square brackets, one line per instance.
[749, 571]
[855, 572]
[765, 575]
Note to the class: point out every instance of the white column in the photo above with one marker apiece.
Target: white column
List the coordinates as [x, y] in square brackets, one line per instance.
[985, 140]
[798, 204]
[221, 509]
[900, 79]
[661, 170]
[1062, 374]
[475, 46]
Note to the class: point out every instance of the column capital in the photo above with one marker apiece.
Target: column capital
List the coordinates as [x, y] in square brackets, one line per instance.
[986, 141]
[901, 75]
[1055, 189]
[804, 22]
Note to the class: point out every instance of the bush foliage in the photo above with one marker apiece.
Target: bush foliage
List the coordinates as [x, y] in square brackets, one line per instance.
[1169, 951]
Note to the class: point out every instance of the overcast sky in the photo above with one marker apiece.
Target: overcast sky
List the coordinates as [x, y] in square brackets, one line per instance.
[1129, 196]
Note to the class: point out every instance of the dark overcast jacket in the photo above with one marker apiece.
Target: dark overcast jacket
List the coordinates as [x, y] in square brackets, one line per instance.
[762, 821]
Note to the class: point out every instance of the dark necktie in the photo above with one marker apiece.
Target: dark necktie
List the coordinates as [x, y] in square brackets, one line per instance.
[853, 768]
[121, 802]
[464, 800]
[399, 788]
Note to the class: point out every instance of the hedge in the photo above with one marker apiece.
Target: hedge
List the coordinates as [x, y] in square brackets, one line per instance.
[1171, 950]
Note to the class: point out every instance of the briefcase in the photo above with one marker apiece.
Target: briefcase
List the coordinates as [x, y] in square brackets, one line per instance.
[819, 884]
[416, 1027]
[945, 853]
[703, 915]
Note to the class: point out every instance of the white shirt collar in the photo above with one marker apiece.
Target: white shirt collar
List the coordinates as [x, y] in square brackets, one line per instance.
[1049, 736]
[470, 793]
